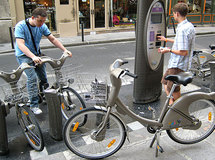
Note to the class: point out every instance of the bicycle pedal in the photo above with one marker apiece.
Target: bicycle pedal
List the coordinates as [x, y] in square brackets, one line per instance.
[160, 149]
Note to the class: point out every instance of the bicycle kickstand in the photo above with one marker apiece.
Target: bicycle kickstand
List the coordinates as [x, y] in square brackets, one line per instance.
[158, 147]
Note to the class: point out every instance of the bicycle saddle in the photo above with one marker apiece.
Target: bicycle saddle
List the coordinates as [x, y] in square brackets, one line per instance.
[181, 78]
[196, 52]
[212, 46]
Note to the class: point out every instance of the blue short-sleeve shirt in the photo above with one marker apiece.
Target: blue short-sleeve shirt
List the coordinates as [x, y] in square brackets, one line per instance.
[22, 32]
[184, 40]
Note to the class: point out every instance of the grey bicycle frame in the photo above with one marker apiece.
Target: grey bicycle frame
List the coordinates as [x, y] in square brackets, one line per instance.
[200, 70]
[171, 117]
[13, 77]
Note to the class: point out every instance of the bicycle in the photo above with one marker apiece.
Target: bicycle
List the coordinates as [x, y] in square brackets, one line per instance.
[19, 99]
[189, 120]
[71, 100]
[200, 62]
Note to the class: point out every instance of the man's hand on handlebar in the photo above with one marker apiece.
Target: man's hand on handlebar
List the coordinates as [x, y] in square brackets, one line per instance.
[37, 60]
[68, 52]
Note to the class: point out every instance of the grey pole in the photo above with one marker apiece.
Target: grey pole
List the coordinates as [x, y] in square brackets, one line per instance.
[55, 116]
[3, 131]
[212, 68]
[148, 62]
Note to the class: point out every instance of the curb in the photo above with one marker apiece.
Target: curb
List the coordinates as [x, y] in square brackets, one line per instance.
[78, 44]
[97, 42]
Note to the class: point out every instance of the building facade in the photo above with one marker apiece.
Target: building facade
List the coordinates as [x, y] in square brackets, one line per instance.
[65, 16]
[201, 12]
[5, 21]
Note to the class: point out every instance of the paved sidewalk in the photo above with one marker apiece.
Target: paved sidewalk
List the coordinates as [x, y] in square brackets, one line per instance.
[101, 38]
[138, 149]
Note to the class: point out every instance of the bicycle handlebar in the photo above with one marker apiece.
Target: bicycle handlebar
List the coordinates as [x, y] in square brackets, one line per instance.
[15, 75]
[131, 75]
[116, 71]
[55, 63]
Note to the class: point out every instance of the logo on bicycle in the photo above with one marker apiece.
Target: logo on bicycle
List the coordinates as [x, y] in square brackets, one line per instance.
[175, 123]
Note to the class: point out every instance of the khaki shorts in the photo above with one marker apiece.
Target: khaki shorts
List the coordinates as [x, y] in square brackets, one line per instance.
[170, 83]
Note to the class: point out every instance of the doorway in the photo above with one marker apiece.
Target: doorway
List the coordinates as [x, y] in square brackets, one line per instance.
[92, 14]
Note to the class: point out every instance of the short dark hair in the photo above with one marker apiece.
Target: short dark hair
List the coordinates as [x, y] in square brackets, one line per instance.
[39, 12]
[182, 8]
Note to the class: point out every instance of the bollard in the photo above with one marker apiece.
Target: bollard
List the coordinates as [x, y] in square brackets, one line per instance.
[3, 131]
[11, 37]
[212, 68]
[82, 30]
[55, 116]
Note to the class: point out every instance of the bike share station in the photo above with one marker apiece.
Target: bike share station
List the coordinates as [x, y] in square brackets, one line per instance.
[148, 62]
[53, 100]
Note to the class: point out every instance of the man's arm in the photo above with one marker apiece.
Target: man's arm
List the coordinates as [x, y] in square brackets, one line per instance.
[178, 52]
[26, 51]
[57, 43]
[162, 38]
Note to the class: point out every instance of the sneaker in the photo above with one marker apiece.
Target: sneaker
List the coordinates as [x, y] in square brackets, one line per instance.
[36, 110]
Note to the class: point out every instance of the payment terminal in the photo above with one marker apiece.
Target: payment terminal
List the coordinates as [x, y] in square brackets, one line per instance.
[151, 23]
[155, 27]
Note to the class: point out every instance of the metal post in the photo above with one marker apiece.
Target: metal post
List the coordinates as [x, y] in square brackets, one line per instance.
[173, 24]
[82, 30]
[11, 37]
[135, 27]
[55, 116]
[212, 68]
[3, 131]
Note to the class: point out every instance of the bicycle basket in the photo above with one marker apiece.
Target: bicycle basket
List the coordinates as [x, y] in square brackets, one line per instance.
[16, 92]
[62, 76]
[93, 88]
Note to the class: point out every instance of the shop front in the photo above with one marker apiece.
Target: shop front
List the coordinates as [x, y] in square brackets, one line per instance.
[200, 11]
[49, 5]
[107, 14]
[65, 16]
[123, 13]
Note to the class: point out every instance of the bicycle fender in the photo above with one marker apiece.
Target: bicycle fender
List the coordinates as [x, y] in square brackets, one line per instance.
[118, 116]
[173, 119]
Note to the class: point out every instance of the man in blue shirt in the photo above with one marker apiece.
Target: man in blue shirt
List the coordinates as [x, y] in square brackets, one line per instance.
[27, 52]
[182, 49]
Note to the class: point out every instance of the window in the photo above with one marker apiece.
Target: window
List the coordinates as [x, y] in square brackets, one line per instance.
[194, 6]
[208, 6]
[64, 1]
[123, 12]
[49, 5]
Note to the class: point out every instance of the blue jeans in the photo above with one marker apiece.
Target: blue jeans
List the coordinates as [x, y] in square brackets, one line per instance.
[32, 75]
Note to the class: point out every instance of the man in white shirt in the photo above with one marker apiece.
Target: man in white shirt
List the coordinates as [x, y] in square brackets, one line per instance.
[182, 49]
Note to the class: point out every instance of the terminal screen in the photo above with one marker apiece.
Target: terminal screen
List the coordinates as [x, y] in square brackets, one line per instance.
[156, 18]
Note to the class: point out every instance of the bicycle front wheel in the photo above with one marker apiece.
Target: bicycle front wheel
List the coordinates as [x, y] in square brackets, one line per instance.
[72, 102]
[202, 110]
[30, 128]
[82, 140]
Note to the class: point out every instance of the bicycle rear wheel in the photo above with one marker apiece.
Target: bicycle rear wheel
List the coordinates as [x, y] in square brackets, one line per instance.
[72, 102]
[202, 110]
[82, 141]
[30, 128]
